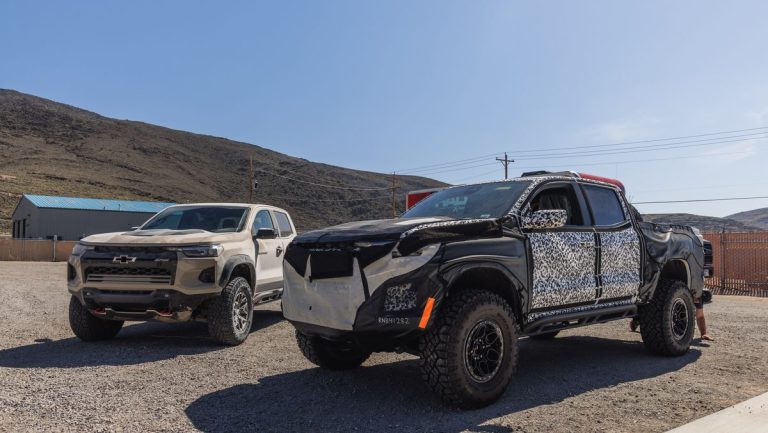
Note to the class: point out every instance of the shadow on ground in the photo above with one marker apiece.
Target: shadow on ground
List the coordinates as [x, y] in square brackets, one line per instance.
[392, 396]
[136, 344]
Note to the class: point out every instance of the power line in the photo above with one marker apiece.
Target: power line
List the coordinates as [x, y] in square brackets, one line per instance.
[296, 171]
[702, 200]
[632, 161]
[651, 147]
[596, 146]
[326, 186]
[671, 146]
[341, 200]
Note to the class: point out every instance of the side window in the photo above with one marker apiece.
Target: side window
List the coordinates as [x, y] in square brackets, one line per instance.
[283, 224]
[559, 197]
[262, 221]
[605, 204]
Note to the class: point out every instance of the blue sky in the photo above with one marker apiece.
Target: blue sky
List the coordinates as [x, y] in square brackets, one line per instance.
[386, 86]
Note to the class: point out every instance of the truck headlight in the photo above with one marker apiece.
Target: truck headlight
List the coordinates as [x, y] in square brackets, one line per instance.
[200, 250]
[79, 249]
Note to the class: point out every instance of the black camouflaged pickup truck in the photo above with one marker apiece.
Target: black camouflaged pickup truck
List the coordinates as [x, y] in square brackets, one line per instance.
[468, 271]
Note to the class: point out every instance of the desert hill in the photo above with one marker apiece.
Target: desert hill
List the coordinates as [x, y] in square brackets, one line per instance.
[703, 223]
[51, 148]
[756, 217]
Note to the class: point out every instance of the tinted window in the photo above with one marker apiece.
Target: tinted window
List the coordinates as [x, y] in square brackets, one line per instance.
[559, 197]
[605, 205]
[487, 200]
[283, 224]
[262, 221]
[209, 218]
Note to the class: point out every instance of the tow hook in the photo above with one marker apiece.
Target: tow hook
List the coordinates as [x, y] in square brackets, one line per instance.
[99, 311]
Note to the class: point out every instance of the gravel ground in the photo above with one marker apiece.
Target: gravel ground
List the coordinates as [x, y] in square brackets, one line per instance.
[157, 377]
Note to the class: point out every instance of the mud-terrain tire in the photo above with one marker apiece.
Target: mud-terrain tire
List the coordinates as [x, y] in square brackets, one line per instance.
[88, 327]
[545, 336]
[231, 313]
[667, 321]
[461, 359]
[330, 354]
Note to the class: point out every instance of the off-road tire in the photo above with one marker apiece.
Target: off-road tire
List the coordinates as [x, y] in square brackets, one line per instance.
[221, 313]
[445, 346]
[88, 327]
[657, 324]
[330, 354]
[545, 336]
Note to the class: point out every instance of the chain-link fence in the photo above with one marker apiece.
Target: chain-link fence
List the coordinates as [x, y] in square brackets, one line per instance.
[740, 262]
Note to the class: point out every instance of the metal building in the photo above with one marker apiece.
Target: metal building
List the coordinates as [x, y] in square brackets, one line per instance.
[72, 218]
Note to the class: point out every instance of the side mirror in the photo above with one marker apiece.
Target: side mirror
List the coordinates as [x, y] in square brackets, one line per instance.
[265, 234]
[545, 219]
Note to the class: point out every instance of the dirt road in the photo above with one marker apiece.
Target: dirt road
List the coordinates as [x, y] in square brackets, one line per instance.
[157, 377]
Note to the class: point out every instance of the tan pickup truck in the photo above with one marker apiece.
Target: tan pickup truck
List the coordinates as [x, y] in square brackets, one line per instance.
[211, 261]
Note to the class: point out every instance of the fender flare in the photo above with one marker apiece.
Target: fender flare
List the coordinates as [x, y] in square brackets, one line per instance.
[232, 263]
[452, 274]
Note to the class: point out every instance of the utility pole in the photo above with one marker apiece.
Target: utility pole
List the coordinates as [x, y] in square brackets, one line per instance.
[394, 208]
[505, 162]
[250, 180]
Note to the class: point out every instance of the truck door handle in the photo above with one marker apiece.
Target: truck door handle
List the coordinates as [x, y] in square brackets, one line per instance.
[587, 244]
[279, 251]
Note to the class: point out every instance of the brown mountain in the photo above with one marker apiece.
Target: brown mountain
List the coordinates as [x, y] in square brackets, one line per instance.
[755, 217]
[51, 148]
[703, 223]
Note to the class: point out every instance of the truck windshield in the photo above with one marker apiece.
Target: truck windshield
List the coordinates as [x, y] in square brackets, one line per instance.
[487, 200]
[209, 218]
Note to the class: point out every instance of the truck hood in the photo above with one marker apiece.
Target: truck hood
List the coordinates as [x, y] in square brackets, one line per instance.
[410, 234]
[161, 237]
[387, 229]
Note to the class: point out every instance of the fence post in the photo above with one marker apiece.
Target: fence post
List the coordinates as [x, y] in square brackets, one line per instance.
[55, 238]
[722, 260]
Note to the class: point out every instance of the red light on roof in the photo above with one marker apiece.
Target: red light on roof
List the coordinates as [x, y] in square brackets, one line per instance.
[603, 179]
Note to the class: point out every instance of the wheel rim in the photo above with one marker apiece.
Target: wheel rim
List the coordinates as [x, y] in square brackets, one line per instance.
[484, 351]
[679, 316]
[240, 312]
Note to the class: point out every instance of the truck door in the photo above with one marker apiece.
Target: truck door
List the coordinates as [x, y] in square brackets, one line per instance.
[564, 259]
[269, 257]
[619, 254]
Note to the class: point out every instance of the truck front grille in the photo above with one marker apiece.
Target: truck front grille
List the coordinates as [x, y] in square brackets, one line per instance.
[135, 275]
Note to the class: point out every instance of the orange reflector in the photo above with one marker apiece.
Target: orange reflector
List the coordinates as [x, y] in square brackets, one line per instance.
[427, 313]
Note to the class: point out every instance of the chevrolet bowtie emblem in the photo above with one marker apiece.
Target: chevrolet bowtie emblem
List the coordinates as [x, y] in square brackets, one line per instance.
[123, 259]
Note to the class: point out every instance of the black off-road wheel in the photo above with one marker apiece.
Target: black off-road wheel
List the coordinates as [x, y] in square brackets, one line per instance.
[667, 322]
[88, 327]
[331, 355]
[545, 336]
[231, 313]
[469, 354]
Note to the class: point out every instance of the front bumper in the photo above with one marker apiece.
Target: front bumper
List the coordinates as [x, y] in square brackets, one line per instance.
[149, 284]
[383, 302]
[161, 305]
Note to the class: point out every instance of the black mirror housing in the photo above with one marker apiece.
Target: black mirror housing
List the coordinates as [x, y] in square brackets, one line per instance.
[265, 233]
